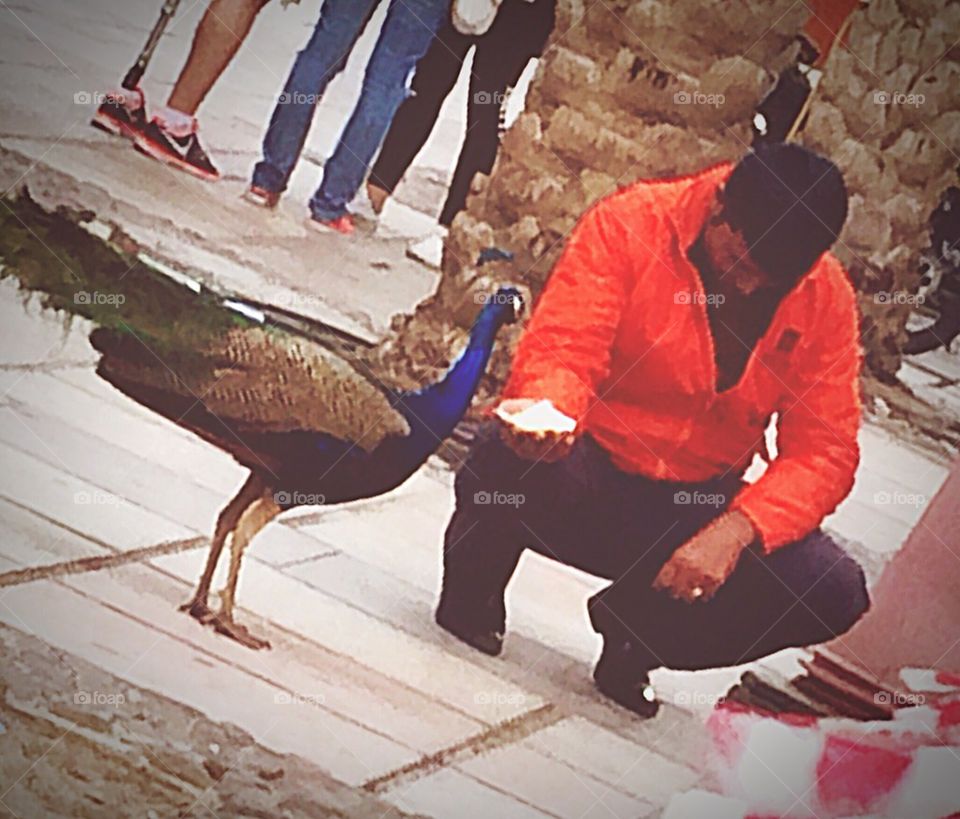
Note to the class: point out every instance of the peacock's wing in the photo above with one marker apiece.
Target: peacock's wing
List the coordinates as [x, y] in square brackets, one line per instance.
[258, 380]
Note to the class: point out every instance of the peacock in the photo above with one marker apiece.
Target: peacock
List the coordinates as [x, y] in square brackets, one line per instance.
[310, 423]
[310, 419]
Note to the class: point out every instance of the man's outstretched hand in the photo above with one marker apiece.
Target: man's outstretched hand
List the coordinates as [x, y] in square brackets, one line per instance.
[546, 445]
[702, 565]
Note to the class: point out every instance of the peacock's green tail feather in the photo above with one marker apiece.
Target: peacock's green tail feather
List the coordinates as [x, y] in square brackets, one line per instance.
[75, 273]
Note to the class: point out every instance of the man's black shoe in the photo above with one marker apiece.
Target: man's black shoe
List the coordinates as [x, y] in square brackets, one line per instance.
[489, 641]
[622, 681]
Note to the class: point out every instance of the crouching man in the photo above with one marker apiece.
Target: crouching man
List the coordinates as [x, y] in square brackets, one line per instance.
[682, 315]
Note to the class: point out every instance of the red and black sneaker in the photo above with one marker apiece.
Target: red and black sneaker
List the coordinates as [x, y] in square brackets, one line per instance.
[183, 152]
[122, 113]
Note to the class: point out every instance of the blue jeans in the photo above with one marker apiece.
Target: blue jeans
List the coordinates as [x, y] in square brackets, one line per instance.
[405, 37]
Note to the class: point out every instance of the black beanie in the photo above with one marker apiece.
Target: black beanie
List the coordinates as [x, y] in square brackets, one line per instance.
[790, 205]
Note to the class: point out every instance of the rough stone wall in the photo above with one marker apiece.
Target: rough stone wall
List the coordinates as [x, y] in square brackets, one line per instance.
[888, 113]
[625, 90]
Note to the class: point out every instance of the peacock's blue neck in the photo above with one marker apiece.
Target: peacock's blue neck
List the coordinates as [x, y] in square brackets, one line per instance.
[436, 410]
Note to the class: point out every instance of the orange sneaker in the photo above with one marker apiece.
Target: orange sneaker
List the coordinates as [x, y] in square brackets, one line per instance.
[344, 224]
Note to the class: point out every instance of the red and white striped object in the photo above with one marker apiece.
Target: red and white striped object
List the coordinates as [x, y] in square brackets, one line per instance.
[797, 766]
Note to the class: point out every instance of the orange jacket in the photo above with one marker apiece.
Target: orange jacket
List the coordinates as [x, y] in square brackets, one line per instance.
[621, 342]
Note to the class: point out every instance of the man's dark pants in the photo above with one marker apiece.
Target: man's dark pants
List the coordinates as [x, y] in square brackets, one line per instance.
[584, 512]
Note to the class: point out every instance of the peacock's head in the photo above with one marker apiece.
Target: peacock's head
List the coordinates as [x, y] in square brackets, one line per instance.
[507, 304]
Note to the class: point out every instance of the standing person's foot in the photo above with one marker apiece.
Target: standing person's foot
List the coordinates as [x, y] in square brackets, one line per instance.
[344, 224]
[261, 197]
[619, 677]
[123, 113]
[171, 138]
[378, 197]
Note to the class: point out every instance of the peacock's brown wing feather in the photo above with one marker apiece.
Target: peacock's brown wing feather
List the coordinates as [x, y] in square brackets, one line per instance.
[261, 381]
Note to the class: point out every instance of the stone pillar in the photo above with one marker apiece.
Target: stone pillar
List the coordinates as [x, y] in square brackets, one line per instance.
[888, 113]
[625, 90]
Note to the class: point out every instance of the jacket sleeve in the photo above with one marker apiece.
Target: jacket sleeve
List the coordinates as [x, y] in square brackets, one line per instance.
[565, 350]
[817, 432]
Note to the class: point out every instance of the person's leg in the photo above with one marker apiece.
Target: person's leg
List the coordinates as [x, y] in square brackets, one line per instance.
[171, 135]
[802, 594]
[222, 30]
[407, 32]
[324, 56]
[518, 34]
[434, 78]
[566, 510]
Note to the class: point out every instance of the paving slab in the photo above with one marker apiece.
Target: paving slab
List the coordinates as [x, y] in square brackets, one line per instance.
[553, 785]
[80, 742]
[610, 759]
[450, 793]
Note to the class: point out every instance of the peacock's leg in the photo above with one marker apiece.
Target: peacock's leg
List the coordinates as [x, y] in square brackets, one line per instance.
[256, 516]
[229, 516]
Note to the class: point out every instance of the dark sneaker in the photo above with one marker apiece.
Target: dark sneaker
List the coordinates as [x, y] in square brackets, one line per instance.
[489, 641]
[121, 114]
[618, 677]
[261, 197]
[185, 153]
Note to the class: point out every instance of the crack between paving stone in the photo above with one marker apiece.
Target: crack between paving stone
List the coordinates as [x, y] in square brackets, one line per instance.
[95, 563]
[496, 736]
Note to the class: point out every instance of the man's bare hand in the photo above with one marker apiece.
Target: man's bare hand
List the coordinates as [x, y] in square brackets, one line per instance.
[540, 445]
[702, 565]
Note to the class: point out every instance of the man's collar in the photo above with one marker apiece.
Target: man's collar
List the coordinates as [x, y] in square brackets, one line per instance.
[695, 203]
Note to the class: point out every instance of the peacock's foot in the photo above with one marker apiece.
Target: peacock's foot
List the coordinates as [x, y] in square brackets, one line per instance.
[198, 610]
[225, 625]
